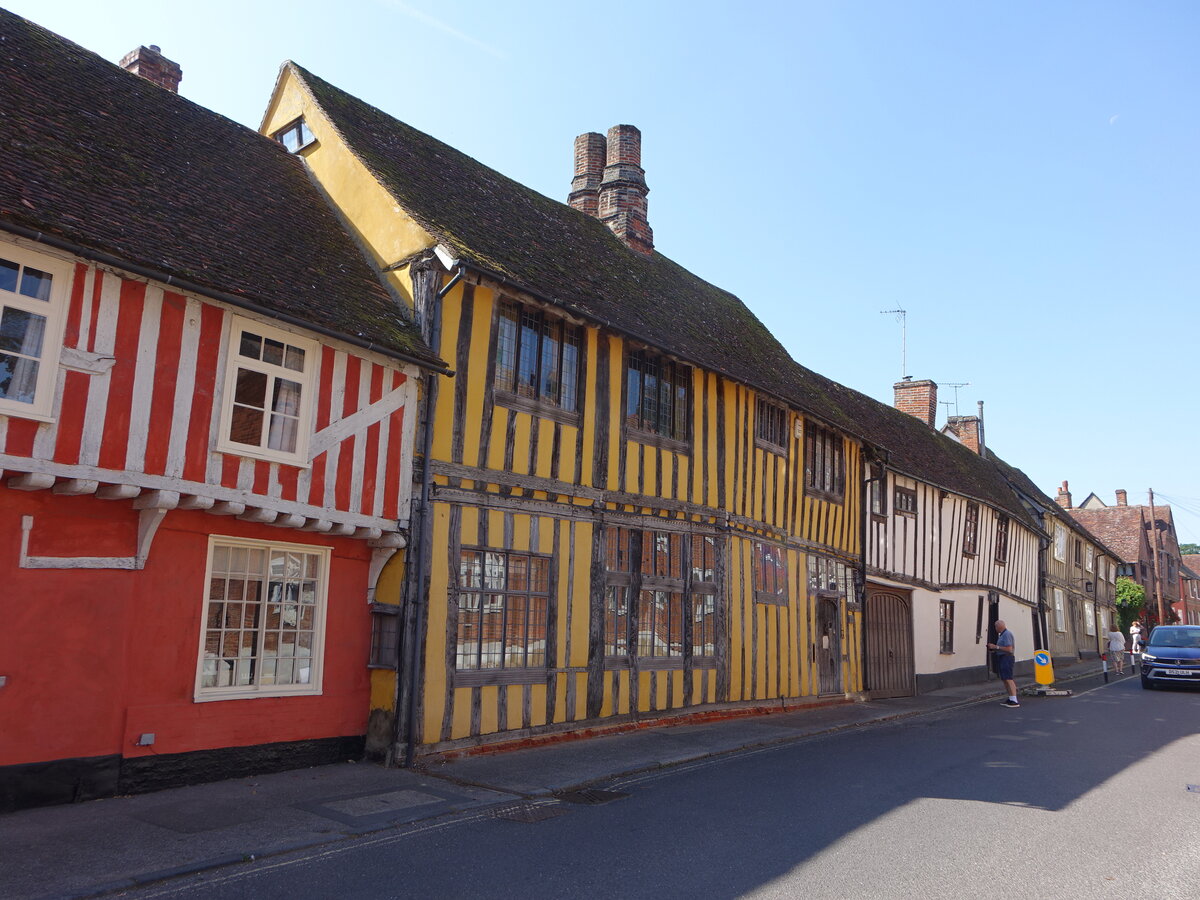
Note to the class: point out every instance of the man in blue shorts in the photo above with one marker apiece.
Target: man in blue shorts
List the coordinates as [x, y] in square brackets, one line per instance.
[1005, 654]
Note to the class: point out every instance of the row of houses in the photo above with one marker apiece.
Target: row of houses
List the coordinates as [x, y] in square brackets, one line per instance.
[331, 441]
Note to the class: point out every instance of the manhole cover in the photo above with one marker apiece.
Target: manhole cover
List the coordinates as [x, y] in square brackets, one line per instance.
[589, 796]
[527, 813]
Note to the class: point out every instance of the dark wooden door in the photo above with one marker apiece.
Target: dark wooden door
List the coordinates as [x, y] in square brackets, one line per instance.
[888, 619]
[829, 646]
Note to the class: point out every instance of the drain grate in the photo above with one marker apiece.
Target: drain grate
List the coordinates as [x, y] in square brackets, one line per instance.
[589, 796]
[527, 813]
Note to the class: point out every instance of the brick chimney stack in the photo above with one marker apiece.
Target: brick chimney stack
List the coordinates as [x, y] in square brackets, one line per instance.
[1122, 498]
[917, 398]
[622, 201]
[591, 153]
[968, 430]
[1064, 497]
[153, 66]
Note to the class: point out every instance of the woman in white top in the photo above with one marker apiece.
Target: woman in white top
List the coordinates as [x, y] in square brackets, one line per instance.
[1116, 649]
[1135, 635]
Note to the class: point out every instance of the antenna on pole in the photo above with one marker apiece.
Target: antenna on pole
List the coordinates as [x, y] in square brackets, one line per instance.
[901, 317]
[956, 385]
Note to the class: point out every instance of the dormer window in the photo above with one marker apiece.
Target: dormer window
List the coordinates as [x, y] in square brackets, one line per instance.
[295, 136]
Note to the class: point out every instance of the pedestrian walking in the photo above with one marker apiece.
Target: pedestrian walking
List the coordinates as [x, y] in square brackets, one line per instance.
[1005, 654]
[1135, 636]
[1116, 649]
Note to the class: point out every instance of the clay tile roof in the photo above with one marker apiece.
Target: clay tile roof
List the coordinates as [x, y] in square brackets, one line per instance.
[1191, 565]
[109, 163]
[566, 257]
[1119, 527]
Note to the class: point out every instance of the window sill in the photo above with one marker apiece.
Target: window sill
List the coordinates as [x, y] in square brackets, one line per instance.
[824, 495]
[31, 415]
[538, 408]
[770, 446]
[659, 663]
[253, 695]
[488, 677]
[249, 452]
[657, 440]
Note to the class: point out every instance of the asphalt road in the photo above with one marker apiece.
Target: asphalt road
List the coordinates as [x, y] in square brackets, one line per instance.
[1085, 796]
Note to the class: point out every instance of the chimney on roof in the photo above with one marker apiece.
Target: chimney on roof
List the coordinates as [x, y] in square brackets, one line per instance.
[591, 151]
[153, 66]
[968, 430]
[917, 398]
[1122, 498]
[1064, 497]
[610, 184]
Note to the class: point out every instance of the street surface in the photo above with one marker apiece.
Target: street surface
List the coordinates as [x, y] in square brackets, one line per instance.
[1086, 797]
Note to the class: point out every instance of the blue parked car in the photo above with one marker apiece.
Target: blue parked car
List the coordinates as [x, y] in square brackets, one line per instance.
[1172, 656]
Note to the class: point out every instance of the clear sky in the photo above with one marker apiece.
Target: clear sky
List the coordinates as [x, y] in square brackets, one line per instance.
[1022, 177]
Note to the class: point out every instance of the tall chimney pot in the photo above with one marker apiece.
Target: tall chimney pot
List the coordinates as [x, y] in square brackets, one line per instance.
[1064, 497]
[622, 188]
[149, 63]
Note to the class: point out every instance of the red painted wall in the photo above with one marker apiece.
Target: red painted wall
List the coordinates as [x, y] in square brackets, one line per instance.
[95, 657]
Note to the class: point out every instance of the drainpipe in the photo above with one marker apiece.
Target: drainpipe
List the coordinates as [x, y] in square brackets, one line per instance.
[864, 512]
[419, 596]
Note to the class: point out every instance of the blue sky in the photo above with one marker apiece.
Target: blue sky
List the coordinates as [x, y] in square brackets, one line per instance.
[1022, 177]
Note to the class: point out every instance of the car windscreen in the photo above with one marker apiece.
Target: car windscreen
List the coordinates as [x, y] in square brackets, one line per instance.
[1165, 636]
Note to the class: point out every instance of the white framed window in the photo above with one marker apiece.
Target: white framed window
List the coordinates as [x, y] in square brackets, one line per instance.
[1089, 557]
[1060, 543]
[1089, 617]
[1060, 611]
[269, 384]
[263, 633]
[33, 299]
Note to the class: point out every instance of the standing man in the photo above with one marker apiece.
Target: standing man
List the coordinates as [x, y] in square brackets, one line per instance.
[1006, 654]
[1116, 648]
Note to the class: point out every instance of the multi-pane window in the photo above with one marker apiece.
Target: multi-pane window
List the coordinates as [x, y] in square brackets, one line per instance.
[263, 619]
[906, 501]
[971, 529]
[1089, 617]
[294, 136]
[1001, 538]
[660, 594]
[538, 356]
[657, 395]
[1060, 610]
[267, 392]
[31, 295]
[1078, 553]
[503, 609]
[385, 636]
[771, 424]
[824, 461]
[1060, 543]
[877, 489]
[829, 577]
[946, 625]
[1089, 558]
[770, 573]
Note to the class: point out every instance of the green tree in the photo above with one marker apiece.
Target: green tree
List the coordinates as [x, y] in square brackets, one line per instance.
[1189, 549]
[1131, 597]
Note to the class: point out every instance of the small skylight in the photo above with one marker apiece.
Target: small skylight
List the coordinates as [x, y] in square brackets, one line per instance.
[295, 136]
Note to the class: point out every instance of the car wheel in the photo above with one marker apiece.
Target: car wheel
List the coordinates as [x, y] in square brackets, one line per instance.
[1147, 684]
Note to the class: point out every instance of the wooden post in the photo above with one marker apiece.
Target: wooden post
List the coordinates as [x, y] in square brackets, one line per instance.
[1154, 548]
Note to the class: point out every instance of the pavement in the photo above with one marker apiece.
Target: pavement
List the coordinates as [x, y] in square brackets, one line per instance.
[101, 846]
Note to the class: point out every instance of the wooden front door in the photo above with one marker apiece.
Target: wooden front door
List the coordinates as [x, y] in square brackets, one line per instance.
[888, 620]
[829, 646]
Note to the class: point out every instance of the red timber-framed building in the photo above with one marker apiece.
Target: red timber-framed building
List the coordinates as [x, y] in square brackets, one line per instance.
[207, 407]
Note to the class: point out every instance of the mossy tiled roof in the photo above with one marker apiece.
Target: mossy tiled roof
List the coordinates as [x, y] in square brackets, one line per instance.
[571, 259]
[114, 164]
